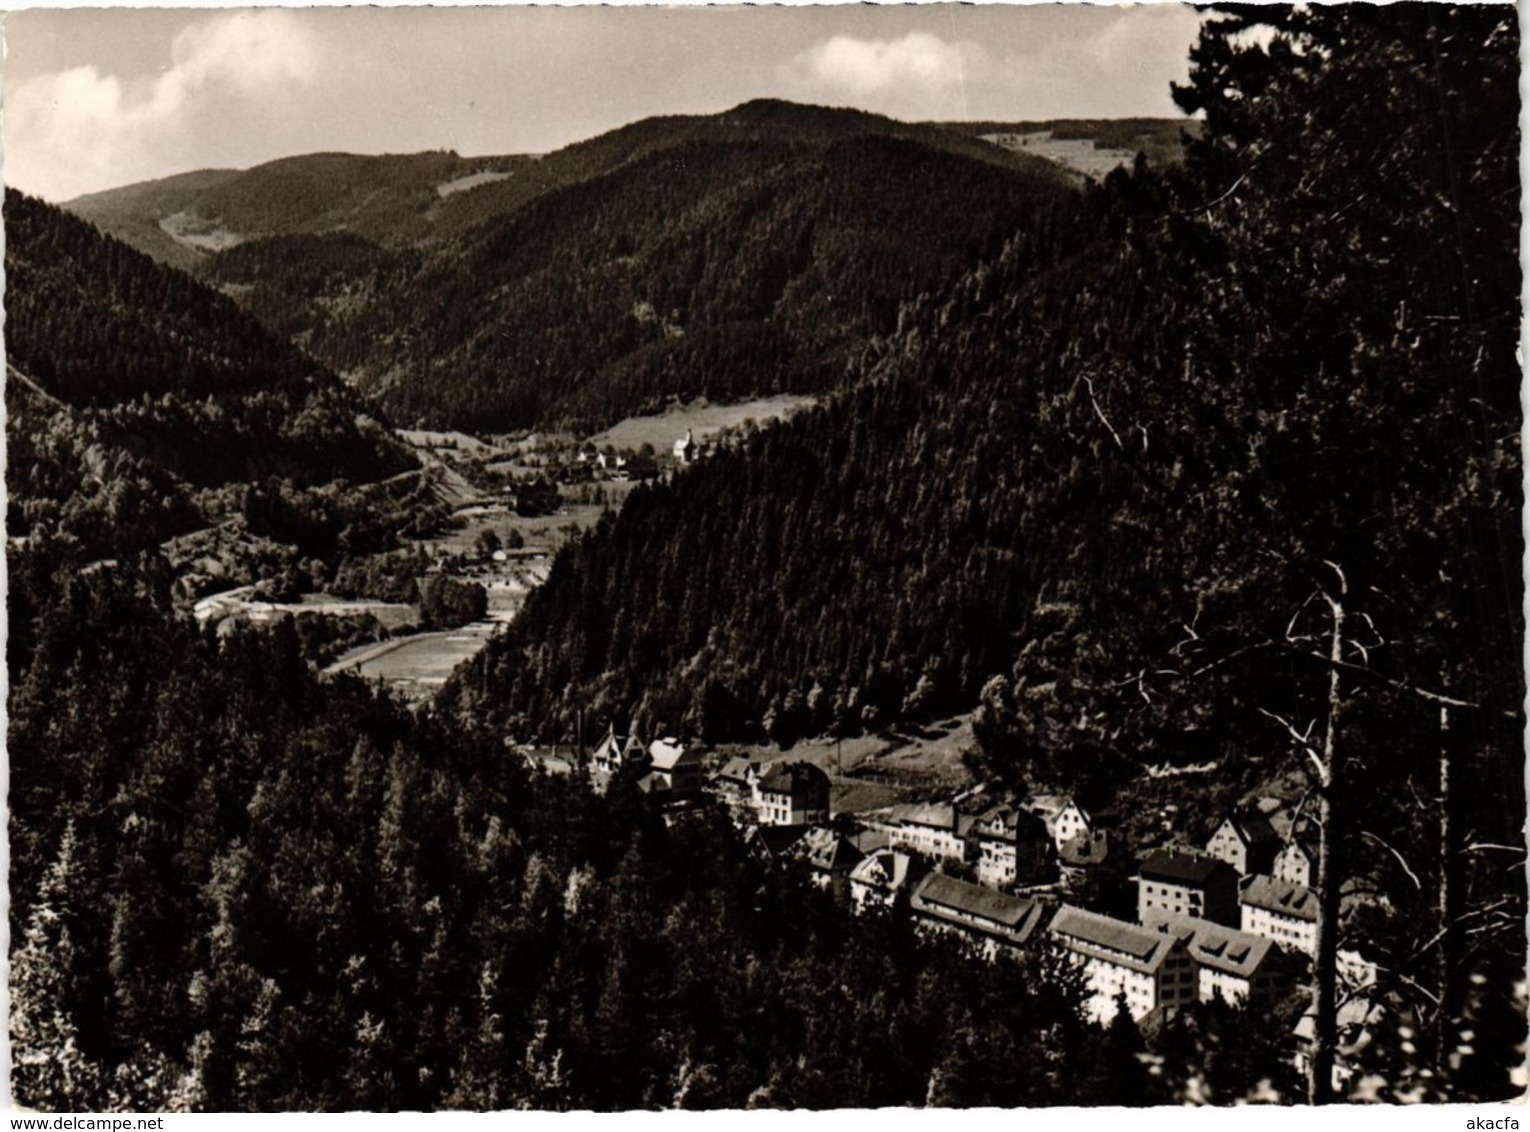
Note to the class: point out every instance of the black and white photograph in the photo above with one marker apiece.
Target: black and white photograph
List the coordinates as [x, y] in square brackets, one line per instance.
[709, 557]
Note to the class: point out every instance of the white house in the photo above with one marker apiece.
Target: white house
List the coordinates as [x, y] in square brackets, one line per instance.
[674, 768]
[1281, 911]
[882, 878]
[794, 793]
[1247, 842]
[1296, 863]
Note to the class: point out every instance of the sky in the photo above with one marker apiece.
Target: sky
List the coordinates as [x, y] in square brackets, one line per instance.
[100, 97]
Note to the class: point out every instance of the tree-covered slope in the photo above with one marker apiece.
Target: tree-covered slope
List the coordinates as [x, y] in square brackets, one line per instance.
[754, 251]
[722, 269]
[125, 372]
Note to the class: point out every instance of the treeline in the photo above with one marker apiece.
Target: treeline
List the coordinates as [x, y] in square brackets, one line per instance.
[1114, 487]
[237, 888]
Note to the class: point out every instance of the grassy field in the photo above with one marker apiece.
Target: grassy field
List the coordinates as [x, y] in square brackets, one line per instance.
[1078, 154]
[872, 771]
[701, 418]
[416, 665]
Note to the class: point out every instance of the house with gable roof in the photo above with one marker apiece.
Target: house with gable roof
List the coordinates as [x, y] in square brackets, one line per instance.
[829, 857]
[1247, 842]
[1069, 822]
[1236, 966]
[615, 753]
[1281, 911]
[1296, 863]
[674, 768]
[1150, 968]
[884, 879]
[794, 793]
[1179, 883]
[1014, 847]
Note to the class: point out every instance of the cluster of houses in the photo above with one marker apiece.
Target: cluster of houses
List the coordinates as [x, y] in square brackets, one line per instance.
[1232, 919]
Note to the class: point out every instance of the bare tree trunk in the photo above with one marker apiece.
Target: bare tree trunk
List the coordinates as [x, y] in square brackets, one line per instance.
[1449, 899]
[1330, 818]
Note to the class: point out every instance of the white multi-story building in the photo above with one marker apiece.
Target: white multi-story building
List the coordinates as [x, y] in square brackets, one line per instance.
[933, 829]
[1233, 965]
[1281, 911]
[1150, 968]
[1296, 863]
[792, 794]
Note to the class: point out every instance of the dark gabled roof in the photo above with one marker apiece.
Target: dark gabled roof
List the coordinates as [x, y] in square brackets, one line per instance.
[827, 851]
[736, 769]
[1252, 828]
[1086, 849]
[939, 815]
[1221, 948]
[1011, 918]
[1007, 822]
[885, 868]
[1281, 897]
[778, 839]
[1182, 868]
[796, 779]
[1114, 941]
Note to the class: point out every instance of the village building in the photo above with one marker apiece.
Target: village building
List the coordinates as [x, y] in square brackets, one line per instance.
[1247, 842]
[794, 793]
[830, 858]
[1151, 969]
[686, 449]
[675, 768]
[734, 786]
[995, 921]
[1178, 883]
[1356, 1023]
[1235, 966]
[883, 879]
[775, 842]
[1068, 823]
[1296, 863]
[615, 753]
[1014, 847]
[1085, 852]
[934, 829]
[1279, 910]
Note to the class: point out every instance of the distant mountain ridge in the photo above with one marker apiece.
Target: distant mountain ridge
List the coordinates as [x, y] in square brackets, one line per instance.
[752, 252]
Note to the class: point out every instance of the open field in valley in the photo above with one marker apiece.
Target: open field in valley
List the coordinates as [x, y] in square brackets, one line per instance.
[703, 419]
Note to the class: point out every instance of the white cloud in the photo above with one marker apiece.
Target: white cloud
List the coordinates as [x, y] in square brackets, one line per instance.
[78, 130]
[873, 66]
[918, 74]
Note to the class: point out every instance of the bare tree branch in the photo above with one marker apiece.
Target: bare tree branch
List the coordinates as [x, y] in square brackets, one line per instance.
[1099, 413]
[1400, 859]
[1304, 742]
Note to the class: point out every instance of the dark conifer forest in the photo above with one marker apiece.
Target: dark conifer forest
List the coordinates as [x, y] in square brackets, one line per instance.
[1211, 449]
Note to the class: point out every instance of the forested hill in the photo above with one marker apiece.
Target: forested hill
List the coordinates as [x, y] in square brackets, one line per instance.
[134, 384]
[1103, 487]
[394, 200]
[751, 252]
